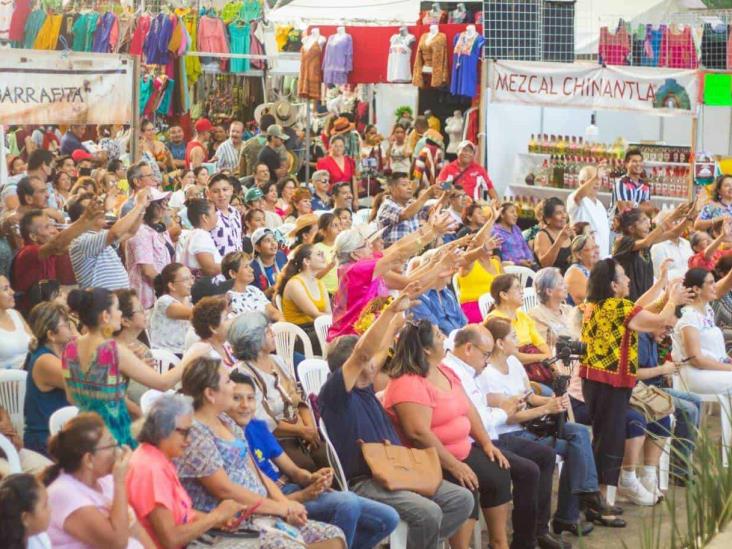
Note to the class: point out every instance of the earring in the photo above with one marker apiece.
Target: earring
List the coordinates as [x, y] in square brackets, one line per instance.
[107, 331]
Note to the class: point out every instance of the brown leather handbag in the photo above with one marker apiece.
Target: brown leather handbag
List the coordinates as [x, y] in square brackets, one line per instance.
[402, 468]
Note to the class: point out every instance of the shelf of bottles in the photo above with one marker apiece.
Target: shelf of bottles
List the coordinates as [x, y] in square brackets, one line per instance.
[557, 161]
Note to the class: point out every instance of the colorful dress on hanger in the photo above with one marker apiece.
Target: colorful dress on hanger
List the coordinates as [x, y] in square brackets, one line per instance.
[431, 53]
[32, 27]
[466, 54]
[399, 64]
[308, 85]
[192, 62]
[48, 33]
[614, 48]
[652, 45]
[239, 34]
[156, 43]
[338, 59]
[140, 34]
[17, 22]
[677, 50]
[714, 47]
[106, 34]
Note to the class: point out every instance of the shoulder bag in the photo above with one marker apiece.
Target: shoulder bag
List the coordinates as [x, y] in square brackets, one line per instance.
[652, 402]
[402, 468]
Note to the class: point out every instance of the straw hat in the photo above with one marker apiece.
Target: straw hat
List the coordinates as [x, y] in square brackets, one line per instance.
[284, 112]
[303, 222]
[341, 125]
[260, 110]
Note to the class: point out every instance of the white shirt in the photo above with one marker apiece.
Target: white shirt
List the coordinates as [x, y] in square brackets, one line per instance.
[679, 251]
[399, 67]
[14, 343]
[197, 241]
[594, 213]
[711, 340]
[515, 383]
[165, 332]
[491, 417]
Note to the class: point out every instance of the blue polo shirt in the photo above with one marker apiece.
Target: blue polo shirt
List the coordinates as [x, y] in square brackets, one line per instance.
[350, 417]
[264, 278]
[264, 447]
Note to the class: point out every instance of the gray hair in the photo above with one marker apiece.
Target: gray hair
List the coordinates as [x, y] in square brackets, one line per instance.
[546, 279]
[134, 172]
[160, 421]
[346, 243]
[246, 335]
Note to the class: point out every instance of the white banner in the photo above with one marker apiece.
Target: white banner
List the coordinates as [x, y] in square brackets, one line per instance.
[592, 86]
[39, 87]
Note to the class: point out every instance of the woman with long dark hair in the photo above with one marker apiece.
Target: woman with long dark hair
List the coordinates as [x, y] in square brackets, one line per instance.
[170, 318]
[24, 512]
[329, 226]
[553, 241]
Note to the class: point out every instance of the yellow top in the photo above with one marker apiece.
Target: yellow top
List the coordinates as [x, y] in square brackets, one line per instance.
[524, 326]
[478, 281]
[290, 310]
[331, 279]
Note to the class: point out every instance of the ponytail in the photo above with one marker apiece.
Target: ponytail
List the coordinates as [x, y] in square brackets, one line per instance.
[293, 267]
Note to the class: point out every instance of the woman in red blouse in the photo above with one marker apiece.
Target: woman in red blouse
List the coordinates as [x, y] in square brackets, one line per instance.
[340, 167]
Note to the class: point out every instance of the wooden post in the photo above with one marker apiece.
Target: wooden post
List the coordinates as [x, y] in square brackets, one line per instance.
[692, 155]
[134, 138]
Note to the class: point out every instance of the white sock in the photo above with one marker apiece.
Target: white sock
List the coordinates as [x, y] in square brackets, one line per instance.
[627, 476]
[649, 472]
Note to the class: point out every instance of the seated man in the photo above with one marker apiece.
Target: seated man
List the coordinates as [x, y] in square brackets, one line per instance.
[352, 413]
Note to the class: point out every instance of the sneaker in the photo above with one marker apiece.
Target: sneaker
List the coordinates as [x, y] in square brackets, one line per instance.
[636, 493]
[651, 485]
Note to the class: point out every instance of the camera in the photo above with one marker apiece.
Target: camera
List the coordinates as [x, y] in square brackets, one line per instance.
[576, 348]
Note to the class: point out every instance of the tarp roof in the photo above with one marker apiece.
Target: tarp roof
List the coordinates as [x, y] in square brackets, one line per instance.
[334, 12]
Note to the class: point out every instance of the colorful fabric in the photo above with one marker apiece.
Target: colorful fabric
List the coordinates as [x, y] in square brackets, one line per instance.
[32, 27]
[612, 348]
[101, 388]
[239, 38]
[626, 189]
[715, 209]
[513, 246]
[48, 34]
[465, 57]
[227, 233]
[338, 59]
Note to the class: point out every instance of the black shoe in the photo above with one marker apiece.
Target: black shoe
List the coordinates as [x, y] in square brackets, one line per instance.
[604, 519]
[552, 541]
[579, 528]
[593, 501]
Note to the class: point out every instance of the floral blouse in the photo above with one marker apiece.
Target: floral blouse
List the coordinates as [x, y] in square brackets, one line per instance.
[250, 300]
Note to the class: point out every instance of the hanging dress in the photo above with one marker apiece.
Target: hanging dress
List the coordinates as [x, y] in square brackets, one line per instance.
[308, 85]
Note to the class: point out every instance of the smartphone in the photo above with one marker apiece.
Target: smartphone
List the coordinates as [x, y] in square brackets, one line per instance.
[446, 186]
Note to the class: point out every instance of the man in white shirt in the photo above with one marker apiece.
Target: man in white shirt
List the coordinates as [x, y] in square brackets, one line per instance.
[227, 155]
[584, 205]
[677, 249]
[532, 464]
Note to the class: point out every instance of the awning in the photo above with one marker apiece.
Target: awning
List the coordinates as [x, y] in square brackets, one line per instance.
[335, 12]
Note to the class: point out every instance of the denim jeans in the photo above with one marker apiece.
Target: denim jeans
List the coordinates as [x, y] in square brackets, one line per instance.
[579, 474]
[688, 410]
[364, 522]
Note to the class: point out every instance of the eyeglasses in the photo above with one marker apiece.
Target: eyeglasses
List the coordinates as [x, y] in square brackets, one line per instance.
[486, 354]
[184, 432]
[107, 447]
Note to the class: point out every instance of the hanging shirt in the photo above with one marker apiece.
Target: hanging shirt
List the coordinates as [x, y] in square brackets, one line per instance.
[66, 33]
[17, 21]
[399, 64]
[140, 34]
[239, 33]
[714, 47]
[48, 34]
[338, 59]
[431, 52]
[106, 34]
[652, 46]
[677, 50]
[614, 48]
[466, 54]
[32, 27]
[156, 44]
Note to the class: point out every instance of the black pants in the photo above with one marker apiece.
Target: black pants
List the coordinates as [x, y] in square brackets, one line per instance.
[532, 470]
[494, 483]
[607, 406]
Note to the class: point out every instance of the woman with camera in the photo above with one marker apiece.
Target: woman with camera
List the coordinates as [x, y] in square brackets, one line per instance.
[609, 366]
[505, 379]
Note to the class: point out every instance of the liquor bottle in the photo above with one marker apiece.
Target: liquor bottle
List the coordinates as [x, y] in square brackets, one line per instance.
[561, 145]
[532, 144]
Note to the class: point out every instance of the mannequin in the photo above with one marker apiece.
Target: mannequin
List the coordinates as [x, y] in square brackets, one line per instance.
[431, 59]
[338, 58]
[308, 85]
[314, 37]
[398, 68]
[459, 14]
[434, 29]
[435, 15]
[470, 31]
[341, 31]
[454, 129]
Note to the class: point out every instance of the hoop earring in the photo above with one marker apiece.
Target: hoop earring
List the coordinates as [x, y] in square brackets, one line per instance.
[107, 331]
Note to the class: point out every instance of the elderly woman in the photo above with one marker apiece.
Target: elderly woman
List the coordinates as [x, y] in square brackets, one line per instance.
[553, 317]
[283, 409]
[210, 323]
[244, 297]
[217, 464]
[585, 253]
[157, 496]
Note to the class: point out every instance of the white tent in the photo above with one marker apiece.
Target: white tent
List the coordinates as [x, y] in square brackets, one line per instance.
[334, 12]
[590, 15]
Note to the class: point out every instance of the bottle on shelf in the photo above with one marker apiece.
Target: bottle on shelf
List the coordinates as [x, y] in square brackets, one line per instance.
[532, 144]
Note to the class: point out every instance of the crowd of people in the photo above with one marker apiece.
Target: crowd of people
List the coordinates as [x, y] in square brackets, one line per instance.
[430, 344]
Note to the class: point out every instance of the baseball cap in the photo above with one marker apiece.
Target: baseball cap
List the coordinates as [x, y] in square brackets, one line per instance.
[259, 234]
[80, 154]
[275, 130]
[252, 195]
[464, 144]
[156, 194]
[203, 125]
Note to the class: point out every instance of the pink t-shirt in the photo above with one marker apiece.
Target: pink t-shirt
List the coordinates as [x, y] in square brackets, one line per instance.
[67, 495]
[450, 422]
[152, 482]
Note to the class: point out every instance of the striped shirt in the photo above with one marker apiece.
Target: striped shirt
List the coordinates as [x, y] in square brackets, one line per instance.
[96, 263]
[626, 189]
[227, 156]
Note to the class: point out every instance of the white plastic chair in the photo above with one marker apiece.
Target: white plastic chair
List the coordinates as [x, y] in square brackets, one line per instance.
[664, 465]
[484, 304]
[312, 374]
[149, 397]
[11, 454]
[285, 334]
[524, 273]
[59, 418]
[530, 300]
[322, 325]
[164, 360]
[12, 396]
[333, 458]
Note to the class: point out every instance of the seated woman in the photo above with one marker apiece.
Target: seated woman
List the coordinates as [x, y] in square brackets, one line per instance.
[97, 370]
[552, 244]
[722, 306]
[30, 461]
[504, 379]
[268, 262]
[86, 488]
[44, 393]
[253, 220]
[217, 464]
[513, 246]
[304, 231]
[429, 409]
[15, 336]
[473, 220]
[243, 296]
[282, 407]
[133, 325]
[210, 324]
[328, 229]
[532, 348]
[699, 343]
[304, 297]
[197, 250]
[708, 249]
[285, 190]
[585, 253]
[155, 493]
[438, 303]
[364, 522]
[171, 315]
[553, 317]
[300, 204]
[25, 512]
[475, 277]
